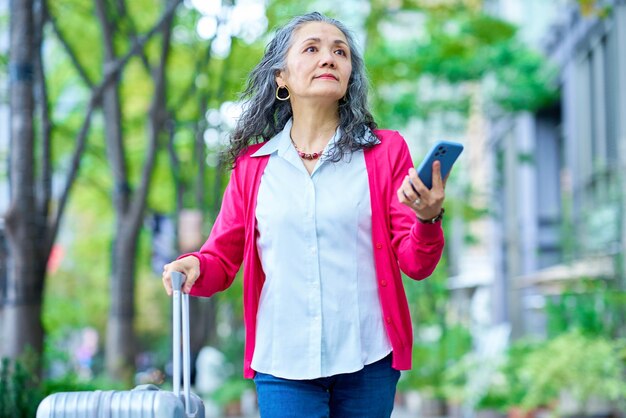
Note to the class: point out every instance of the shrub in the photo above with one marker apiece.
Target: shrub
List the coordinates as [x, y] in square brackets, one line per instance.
[19, 393]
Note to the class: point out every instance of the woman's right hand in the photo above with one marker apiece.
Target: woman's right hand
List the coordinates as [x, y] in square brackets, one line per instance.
[189, 266]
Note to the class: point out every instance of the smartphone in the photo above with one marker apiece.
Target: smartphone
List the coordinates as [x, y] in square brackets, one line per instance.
[446, 152]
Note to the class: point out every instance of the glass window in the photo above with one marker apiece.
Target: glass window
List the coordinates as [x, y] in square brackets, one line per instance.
[598, 99]
[610, 78]
[584, 137]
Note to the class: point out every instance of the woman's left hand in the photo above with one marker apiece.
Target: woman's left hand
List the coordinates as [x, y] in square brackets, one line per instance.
[424, 202]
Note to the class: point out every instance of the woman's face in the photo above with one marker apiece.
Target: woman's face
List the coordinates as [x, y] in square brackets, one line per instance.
[318, 63]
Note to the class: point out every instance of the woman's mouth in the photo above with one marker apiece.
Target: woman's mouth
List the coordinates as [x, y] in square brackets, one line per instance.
[327, 77]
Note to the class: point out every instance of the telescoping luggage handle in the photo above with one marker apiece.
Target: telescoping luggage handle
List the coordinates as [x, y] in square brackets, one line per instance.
[177, 281]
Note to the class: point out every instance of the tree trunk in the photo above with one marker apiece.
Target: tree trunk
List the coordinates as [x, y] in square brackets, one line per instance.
[120, 342]
[25, 271]
[3, 273]
[129, 206]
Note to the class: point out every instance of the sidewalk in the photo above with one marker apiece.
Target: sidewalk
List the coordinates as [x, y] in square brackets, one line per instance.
[398, 412]
[401, 412]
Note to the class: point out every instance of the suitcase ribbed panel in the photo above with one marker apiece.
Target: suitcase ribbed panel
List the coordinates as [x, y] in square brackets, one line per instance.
[145, 401]
[114, 404]
[70, 405]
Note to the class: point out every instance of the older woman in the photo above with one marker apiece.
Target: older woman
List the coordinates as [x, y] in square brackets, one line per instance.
[324, 210]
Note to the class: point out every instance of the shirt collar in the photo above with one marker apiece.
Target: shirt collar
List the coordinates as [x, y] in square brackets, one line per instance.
[281, 142]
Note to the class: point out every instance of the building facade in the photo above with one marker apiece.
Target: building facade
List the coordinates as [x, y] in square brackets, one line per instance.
[559, 174]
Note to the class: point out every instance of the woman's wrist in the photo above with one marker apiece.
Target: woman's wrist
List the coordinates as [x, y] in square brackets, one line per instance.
[432, 220]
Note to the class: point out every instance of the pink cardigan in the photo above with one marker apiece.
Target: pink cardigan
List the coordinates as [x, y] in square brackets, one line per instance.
[400, 242]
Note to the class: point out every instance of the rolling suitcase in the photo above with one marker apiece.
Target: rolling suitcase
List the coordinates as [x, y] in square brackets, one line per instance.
[145, 401]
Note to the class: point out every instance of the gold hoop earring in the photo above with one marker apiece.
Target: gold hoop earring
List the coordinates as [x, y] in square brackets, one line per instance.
[282, 99]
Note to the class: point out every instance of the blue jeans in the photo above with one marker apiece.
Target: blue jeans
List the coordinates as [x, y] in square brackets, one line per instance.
[367, 393]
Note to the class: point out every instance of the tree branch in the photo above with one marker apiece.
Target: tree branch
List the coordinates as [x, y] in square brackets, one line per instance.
[137, 46]
[112, 113]
[72, 174]
[96, 97]
[158, 115]
[45, 181]
[70, 52]
[121, 6]
[107, 30]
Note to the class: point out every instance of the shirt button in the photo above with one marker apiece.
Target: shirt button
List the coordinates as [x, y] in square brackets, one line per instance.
[383, 283]
[388, 319]
[379, 245]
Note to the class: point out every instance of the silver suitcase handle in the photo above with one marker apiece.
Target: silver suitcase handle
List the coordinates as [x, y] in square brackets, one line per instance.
[177, 282]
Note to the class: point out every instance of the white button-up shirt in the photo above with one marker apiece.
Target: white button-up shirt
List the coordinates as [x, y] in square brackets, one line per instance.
[319, 312]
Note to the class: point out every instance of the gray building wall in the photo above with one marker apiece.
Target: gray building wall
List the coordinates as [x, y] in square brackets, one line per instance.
[4, 113]
[560, 187]
[4, 148]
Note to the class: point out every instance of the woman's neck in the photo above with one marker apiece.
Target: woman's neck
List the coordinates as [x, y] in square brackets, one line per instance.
[314, 126]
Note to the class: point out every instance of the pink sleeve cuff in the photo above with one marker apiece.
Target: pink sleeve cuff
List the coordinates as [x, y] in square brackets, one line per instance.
[427, 232]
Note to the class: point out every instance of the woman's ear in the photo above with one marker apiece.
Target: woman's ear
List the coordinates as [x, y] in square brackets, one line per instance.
[279, 79]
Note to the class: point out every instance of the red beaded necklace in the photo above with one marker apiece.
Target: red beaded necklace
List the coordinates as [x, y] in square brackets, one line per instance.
[305, 155]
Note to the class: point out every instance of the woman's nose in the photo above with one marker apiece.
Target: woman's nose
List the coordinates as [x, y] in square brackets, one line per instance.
[328, 60]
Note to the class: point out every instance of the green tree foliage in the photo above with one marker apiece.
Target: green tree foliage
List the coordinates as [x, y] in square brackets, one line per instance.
[584, 366]
[197, 81]
[454, 43]
[591, 306]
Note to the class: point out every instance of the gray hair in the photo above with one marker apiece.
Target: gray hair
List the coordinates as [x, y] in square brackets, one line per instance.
[264, 116]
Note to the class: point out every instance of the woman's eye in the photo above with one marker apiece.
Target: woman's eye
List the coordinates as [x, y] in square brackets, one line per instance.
[310, 49]
[340, 52]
